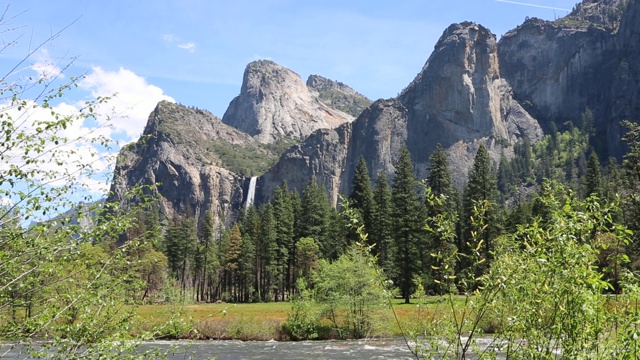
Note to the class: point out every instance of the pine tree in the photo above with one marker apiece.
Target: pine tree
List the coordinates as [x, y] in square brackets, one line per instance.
[593, 176]
[315, 215]
[440, 179]
[251, 238]
[205, 262]
[382, 227]
[407, 225]
[284, 210]
[631, 160]
[181, 244]
[232, 260]
[212, 263]
[505, 175]
[361, 197]
[267, 252]
[440, 212]
[481, 194]
[246, 270]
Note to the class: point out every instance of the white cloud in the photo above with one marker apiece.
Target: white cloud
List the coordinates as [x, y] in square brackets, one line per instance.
[190, 47]
[133, 101]
[128, 112]
[58, 162]
[45, 66]
[172, 39]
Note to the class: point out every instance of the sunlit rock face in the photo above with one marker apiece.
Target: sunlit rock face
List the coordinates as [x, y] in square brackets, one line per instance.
[275, 104]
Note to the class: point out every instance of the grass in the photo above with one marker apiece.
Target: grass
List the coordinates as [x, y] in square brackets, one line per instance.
[261, 321]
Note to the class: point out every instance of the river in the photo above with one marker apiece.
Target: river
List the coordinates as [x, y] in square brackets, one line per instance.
[308, 350]
[394, 348]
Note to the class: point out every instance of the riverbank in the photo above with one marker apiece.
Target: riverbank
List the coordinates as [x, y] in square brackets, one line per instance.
[262, 321]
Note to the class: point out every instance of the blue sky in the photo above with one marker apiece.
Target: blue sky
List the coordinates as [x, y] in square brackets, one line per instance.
[195, 51]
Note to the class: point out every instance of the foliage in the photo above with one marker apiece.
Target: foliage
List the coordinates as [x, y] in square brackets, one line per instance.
[545, 294]
[407, 218]
[242, 159]
[361, 197]
[381, 233]
[441, 228]
[549, 293]
[482, 189]
[66, 280]
[350, 290]
[315, 218]
[303, 320]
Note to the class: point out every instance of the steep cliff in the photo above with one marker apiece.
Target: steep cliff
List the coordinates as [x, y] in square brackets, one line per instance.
[471, 91]
[458, 100]
[585, 60]
[185, 155]
[275, 104]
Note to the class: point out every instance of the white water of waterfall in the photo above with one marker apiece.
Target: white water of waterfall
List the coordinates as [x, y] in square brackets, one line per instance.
[252, 191]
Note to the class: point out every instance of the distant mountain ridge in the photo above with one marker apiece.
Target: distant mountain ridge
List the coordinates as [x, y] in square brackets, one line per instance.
[471, 91]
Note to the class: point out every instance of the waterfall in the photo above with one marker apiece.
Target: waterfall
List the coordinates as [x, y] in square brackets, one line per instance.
[251, 193]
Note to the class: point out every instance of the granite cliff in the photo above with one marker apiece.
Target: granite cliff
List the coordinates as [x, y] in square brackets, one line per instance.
[588, 59]
[472, 90]
[275, 104]
[195, 162]
[185, 167]
[458, 100]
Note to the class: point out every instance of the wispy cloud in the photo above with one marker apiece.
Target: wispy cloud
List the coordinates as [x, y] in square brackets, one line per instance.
[45, 67]
[532, 5]
[172, 39]
[190, 46]
[169, 38]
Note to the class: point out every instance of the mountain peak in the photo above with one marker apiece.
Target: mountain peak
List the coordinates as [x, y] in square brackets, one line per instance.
[338, 95]
[275, 104]
[600, 13]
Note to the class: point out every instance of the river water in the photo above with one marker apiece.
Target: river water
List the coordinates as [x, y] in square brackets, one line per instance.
[394, 348]
[308, 350]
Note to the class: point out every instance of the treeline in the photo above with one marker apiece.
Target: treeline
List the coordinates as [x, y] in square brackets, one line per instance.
[427, 236]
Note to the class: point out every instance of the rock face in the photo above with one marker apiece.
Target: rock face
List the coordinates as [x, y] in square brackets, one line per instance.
[586, 60]
[275, 104]
[458, 100]
[180, 165]
[338, 95]
[471, 91]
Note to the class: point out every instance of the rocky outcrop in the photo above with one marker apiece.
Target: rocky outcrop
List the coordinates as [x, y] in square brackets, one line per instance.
[182, 165]
[275, 104]
[595, 13]
[338, 95]
[322, 155]
[624, 96]
[585, 60]
[458, 100]
[471, 91]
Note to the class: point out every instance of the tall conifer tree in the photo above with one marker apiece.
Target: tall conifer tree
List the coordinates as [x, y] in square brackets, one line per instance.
[284, 223]
[407, 225]
[361, 197]
[382, 226]
[315, 215]
[439, 179]
[440, 205]
[481, 188]
[593, 176]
